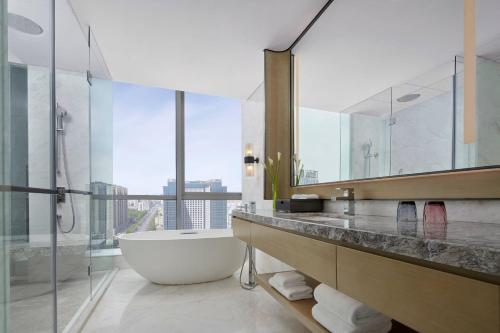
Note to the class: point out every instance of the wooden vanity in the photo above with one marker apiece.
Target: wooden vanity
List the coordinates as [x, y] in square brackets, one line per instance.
[423, 298]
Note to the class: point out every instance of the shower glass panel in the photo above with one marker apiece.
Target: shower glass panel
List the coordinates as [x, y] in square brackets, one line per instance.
[72, 163]
[26, 258]
[103, 216]
[485, 151]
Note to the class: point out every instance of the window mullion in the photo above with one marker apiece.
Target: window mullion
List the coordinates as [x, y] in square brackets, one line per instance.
[179, 155]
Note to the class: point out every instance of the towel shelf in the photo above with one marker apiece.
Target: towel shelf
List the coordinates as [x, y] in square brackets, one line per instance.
[300, 309]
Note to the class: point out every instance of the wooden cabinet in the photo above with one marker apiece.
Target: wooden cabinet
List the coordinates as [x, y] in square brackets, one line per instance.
[312, 257]
[428, 300]
[425, 299]
[241, 229]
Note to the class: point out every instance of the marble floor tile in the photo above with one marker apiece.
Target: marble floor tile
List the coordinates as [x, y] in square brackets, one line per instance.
[133, 304]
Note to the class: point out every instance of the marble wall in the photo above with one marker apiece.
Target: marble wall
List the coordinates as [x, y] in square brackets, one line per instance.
[421, 137]
[72, 95]
[485, 211]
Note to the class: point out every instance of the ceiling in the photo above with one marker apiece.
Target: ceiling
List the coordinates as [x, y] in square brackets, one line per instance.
[358, 49]
[72, 52]
[211, 47]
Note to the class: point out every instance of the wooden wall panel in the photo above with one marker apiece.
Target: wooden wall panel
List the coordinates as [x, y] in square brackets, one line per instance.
[278, 104]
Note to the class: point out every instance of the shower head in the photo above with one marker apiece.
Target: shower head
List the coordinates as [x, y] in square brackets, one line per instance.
[408, 98]
[24, 24]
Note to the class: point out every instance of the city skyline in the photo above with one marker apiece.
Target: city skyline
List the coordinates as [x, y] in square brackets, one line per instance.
[144, 138]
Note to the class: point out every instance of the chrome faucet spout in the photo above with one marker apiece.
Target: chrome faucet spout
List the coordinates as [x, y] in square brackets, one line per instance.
[348, 197]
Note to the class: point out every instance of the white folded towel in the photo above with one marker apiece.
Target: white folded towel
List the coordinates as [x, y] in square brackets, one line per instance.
[335, 324]
[292, 293]
[305, 196]
[289, 279]
[347, 308]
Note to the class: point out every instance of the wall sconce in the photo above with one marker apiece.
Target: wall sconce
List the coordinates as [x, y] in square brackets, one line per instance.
[249, 160]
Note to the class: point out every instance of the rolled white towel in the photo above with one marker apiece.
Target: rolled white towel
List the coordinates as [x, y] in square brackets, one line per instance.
[335, 324]
[293, 293]
[289, 279]
[347, 308]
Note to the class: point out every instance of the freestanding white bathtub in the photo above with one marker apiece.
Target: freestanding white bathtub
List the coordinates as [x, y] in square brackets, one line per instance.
[183, 256]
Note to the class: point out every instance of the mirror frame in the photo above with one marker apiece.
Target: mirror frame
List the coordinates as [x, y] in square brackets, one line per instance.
[472, 183]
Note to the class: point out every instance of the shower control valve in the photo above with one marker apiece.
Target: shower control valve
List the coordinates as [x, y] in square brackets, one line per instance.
[61, 195]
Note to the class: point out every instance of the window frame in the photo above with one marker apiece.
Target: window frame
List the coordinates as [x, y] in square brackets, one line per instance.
[181, 193]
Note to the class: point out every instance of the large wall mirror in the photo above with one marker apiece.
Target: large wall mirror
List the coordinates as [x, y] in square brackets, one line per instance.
[378, 91]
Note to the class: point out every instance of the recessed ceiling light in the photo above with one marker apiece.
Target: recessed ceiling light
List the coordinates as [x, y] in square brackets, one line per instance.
[24, 24]
[408, 98]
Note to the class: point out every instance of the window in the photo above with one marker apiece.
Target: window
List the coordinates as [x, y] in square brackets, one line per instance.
[149, 148]
[143, 138]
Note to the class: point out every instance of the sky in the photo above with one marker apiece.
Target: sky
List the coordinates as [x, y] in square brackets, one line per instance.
[144, 138]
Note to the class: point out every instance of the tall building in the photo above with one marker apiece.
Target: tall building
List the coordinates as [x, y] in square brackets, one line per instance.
[108, 215]
[197, 214]
[120, 211]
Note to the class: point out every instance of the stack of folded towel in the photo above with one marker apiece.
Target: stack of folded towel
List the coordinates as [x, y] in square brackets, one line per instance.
[340, 313]
[292, 285]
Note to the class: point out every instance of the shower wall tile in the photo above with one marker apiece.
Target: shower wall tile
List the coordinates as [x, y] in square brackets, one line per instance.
[73, 95]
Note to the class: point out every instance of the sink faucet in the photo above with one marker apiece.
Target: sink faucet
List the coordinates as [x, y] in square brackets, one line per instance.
[348, 196]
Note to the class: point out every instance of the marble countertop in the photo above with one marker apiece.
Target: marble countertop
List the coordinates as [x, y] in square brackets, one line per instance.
[472, 246]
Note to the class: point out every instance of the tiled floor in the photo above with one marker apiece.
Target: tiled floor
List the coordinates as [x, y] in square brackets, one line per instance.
[133, 304]
[34, 301]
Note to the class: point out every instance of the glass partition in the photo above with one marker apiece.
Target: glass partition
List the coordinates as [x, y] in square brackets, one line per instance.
[26, 245]
[103, 214]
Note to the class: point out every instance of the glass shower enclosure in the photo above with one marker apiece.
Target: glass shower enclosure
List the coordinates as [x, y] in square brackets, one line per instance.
[55, 102]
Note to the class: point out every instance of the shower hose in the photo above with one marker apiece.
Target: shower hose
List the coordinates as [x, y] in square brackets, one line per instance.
[68, 182]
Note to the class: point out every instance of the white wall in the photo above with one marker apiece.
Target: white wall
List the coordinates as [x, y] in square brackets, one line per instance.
[253, 130]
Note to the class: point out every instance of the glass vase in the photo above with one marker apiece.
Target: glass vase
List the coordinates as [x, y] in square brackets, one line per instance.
[275, 193]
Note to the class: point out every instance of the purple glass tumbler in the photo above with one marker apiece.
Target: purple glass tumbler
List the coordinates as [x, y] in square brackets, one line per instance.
[435, 220]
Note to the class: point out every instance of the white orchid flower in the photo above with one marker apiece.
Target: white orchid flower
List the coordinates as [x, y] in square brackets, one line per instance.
[270, 161]
[279, 156]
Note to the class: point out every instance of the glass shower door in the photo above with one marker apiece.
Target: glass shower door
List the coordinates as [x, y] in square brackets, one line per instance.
[72, 164]
[101, 152]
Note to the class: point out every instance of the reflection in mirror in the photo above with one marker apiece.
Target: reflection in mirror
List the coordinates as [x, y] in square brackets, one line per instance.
[378, 91]
[422, 123]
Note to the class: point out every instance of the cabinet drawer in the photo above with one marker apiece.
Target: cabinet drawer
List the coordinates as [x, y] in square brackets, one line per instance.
[241, 229]
[312, 257]
[425, 299]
